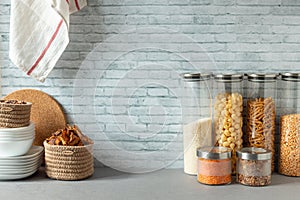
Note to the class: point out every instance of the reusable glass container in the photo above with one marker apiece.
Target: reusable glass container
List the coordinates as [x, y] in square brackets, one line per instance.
[261, 112]
[228, 109]
[197, 117]
[254, 166]
[214, 165]
[289, 151]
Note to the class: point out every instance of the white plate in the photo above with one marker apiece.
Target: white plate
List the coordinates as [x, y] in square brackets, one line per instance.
[18, 171]
[19, 165]
[16, 176]
[19, 162]
[33, 152]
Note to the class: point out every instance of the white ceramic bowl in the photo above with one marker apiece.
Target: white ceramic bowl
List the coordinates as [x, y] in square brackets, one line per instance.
[15, 148]
[17, 134]
[18, 131]
[18, 137]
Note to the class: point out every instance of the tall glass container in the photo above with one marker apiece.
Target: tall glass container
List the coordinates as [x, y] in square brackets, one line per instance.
[261, 112]
[289, 151]
[228, 108]
[197, 117]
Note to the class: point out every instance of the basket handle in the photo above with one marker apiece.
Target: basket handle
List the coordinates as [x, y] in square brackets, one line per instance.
[68, 152]
[6, 109]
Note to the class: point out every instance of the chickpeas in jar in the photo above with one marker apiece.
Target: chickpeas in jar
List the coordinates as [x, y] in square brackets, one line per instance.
[228, 109]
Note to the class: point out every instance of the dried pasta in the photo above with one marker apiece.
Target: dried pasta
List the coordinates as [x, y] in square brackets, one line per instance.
[261, 125]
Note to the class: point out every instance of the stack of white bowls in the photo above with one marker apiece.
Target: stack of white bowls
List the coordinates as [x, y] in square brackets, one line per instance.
[18, 158]
[16, 141]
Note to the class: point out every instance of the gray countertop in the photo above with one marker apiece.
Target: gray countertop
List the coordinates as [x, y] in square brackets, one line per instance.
[172, 184]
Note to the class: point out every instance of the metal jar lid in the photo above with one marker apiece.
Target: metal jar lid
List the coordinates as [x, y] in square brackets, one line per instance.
[196, 76]
[253, 153]
[228, 78]
[290, 76]
[214, 153]
[262, 77]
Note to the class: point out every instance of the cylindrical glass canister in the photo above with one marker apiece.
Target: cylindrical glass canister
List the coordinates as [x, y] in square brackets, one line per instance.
[254, 166]
[197, 117]
[228, 110]
[214, 165]
[261, 112]
[289, 150]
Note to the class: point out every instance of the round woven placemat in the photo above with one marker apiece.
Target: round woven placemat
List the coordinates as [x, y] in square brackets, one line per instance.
[46, 112]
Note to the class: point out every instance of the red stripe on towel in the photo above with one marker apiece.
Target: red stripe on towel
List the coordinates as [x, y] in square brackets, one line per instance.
[77, 4]
[68, 1]
[46, 48]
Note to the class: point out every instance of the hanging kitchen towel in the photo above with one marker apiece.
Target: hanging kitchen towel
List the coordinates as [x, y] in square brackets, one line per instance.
[39, 33]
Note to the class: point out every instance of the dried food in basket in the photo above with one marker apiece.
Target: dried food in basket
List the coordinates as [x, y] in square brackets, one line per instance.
[69, 136]
[13, 101]
[14, 113]
[69, 155]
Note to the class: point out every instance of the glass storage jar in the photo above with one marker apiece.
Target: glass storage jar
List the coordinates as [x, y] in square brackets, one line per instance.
[254, 166]
[289, 150]
[228, 109]
[214, 165]
[197, 117]
[261, 112]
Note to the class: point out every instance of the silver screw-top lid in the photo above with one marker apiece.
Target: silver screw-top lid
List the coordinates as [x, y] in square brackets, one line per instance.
[290, 76]
[262, 77]
[228, 78]
[214, 153]
[196, 76]
[253, 153]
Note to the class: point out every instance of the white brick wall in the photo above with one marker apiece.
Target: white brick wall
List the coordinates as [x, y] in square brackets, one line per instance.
[221, 35]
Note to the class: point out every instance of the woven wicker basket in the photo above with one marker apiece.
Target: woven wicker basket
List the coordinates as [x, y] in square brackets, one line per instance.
[69, 162]
[14, 115]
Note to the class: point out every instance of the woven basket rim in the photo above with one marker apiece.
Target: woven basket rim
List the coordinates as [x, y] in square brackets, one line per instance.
[63, 147]
[3, 102]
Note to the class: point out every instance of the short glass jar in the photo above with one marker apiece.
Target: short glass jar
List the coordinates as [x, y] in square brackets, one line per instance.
[214, 165]
[254, 166]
